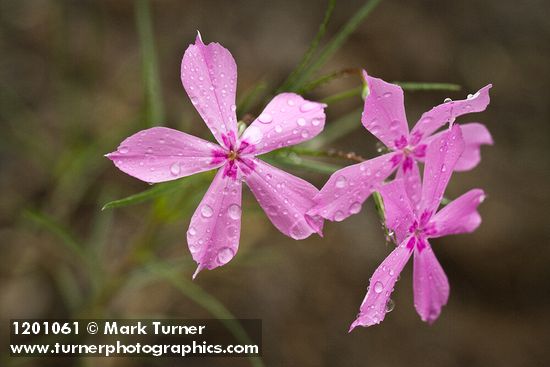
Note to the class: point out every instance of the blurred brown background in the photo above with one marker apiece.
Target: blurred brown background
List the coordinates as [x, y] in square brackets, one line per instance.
[72, 88]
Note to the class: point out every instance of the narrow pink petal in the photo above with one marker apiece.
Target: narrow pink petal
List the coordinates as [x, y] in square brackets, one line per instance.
[384, 111]
[285, 199]
[399, 212]
[348, 188]
[162, 154]
[441, 157]
[373, 309]
[287, 120]
[412, 182]
[214, 231]
[209, 76]
[430, 284]
[475, 135]
[448, 111]
[460, 215]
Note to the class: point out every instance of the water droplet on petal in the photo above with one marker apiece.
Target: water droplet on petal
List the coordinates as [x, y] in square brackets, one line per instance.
[308, 106]
[265, 118]
[339, 216]
[390, 305]
[443, 168]
[355, 208]
[175, 169]
[192, 231]
[378, 287]
[233, 108]
[290, 102]
[279, 128]
[387, 94]
[206, 211]
[253, 134]
[340, 182]
[123, 150]
[234, 211]
[305, 134]
[316, 122]
[447, 100]
[224, 255]
[301, 121]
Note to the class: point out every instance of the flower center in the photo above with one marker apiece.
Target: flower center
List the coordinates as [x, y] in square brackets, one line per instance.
[232, 155]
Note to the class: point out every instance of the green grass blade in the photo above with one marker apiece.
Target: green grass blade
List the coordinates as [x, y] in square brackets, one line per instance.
[335, 130]
[335, 43]
[151, 80]
[149, 194]
[414, 86]
[311, 49]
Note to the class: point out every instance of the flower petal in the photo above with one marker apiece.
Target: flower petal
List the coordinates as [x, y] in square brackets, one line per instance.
[441, 157]
[161, 154]
[448, 111]
[214, 231]
[475, 134]
[411, 181]
[347, 189]
[398, 212]
[287, 120]
[373, 309]
[209, 76]
[460, 215]
[285, 199]
[384, 111]
[430, 284]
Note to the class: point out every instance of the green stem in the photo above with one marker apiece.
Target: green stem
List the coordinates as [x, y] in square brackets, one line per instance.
[311, 50]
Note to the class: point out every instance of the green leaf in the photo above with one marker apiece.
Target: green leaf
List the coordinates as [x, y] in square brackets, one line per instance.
[335, 43]
[311, 49]
[414, 86]
[149, 194]
[155, 109]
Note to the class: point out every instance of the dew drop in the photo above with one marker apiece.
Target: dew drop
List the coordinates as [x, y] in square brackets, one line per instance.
[123, 150]
[390, 305]
[340, 182]
[192, 231]
[316, 122]
[234, 211]
[443, 168]
[378, 287]
[253, 134]
[387, 94]
[265, 118]
[339, 216]
[175, 169]
[301, 121]
[308, 106]
[305, 134]
[206, 211]
[298, 231]
[447, 100]
[224, 255]
[233, 108]
[355, 208]
[278, 128]
[290, 102]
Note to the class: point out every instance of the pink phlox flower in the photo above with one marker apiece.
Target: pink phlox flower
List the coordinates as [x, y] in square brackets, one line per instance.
[413, 228]
[384, 116]
[209, 76]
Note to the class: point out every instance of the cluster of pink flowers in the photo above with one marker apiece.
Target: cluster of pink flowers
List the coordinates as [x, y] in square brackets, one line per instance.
[296, 207]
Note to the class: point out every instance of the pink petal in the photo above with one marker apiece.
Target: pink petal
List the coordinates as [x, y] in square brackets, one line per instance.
[398, 209]
[384, 111]
[447, 112]
[441, 157]
[209, 76]
[162, 154]
[287, 120]
[411, 181]
[285, 199]
[430, 284]
[214, 231]
[474, 134]
[460, 215]
[348, 188]
[373, 308]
